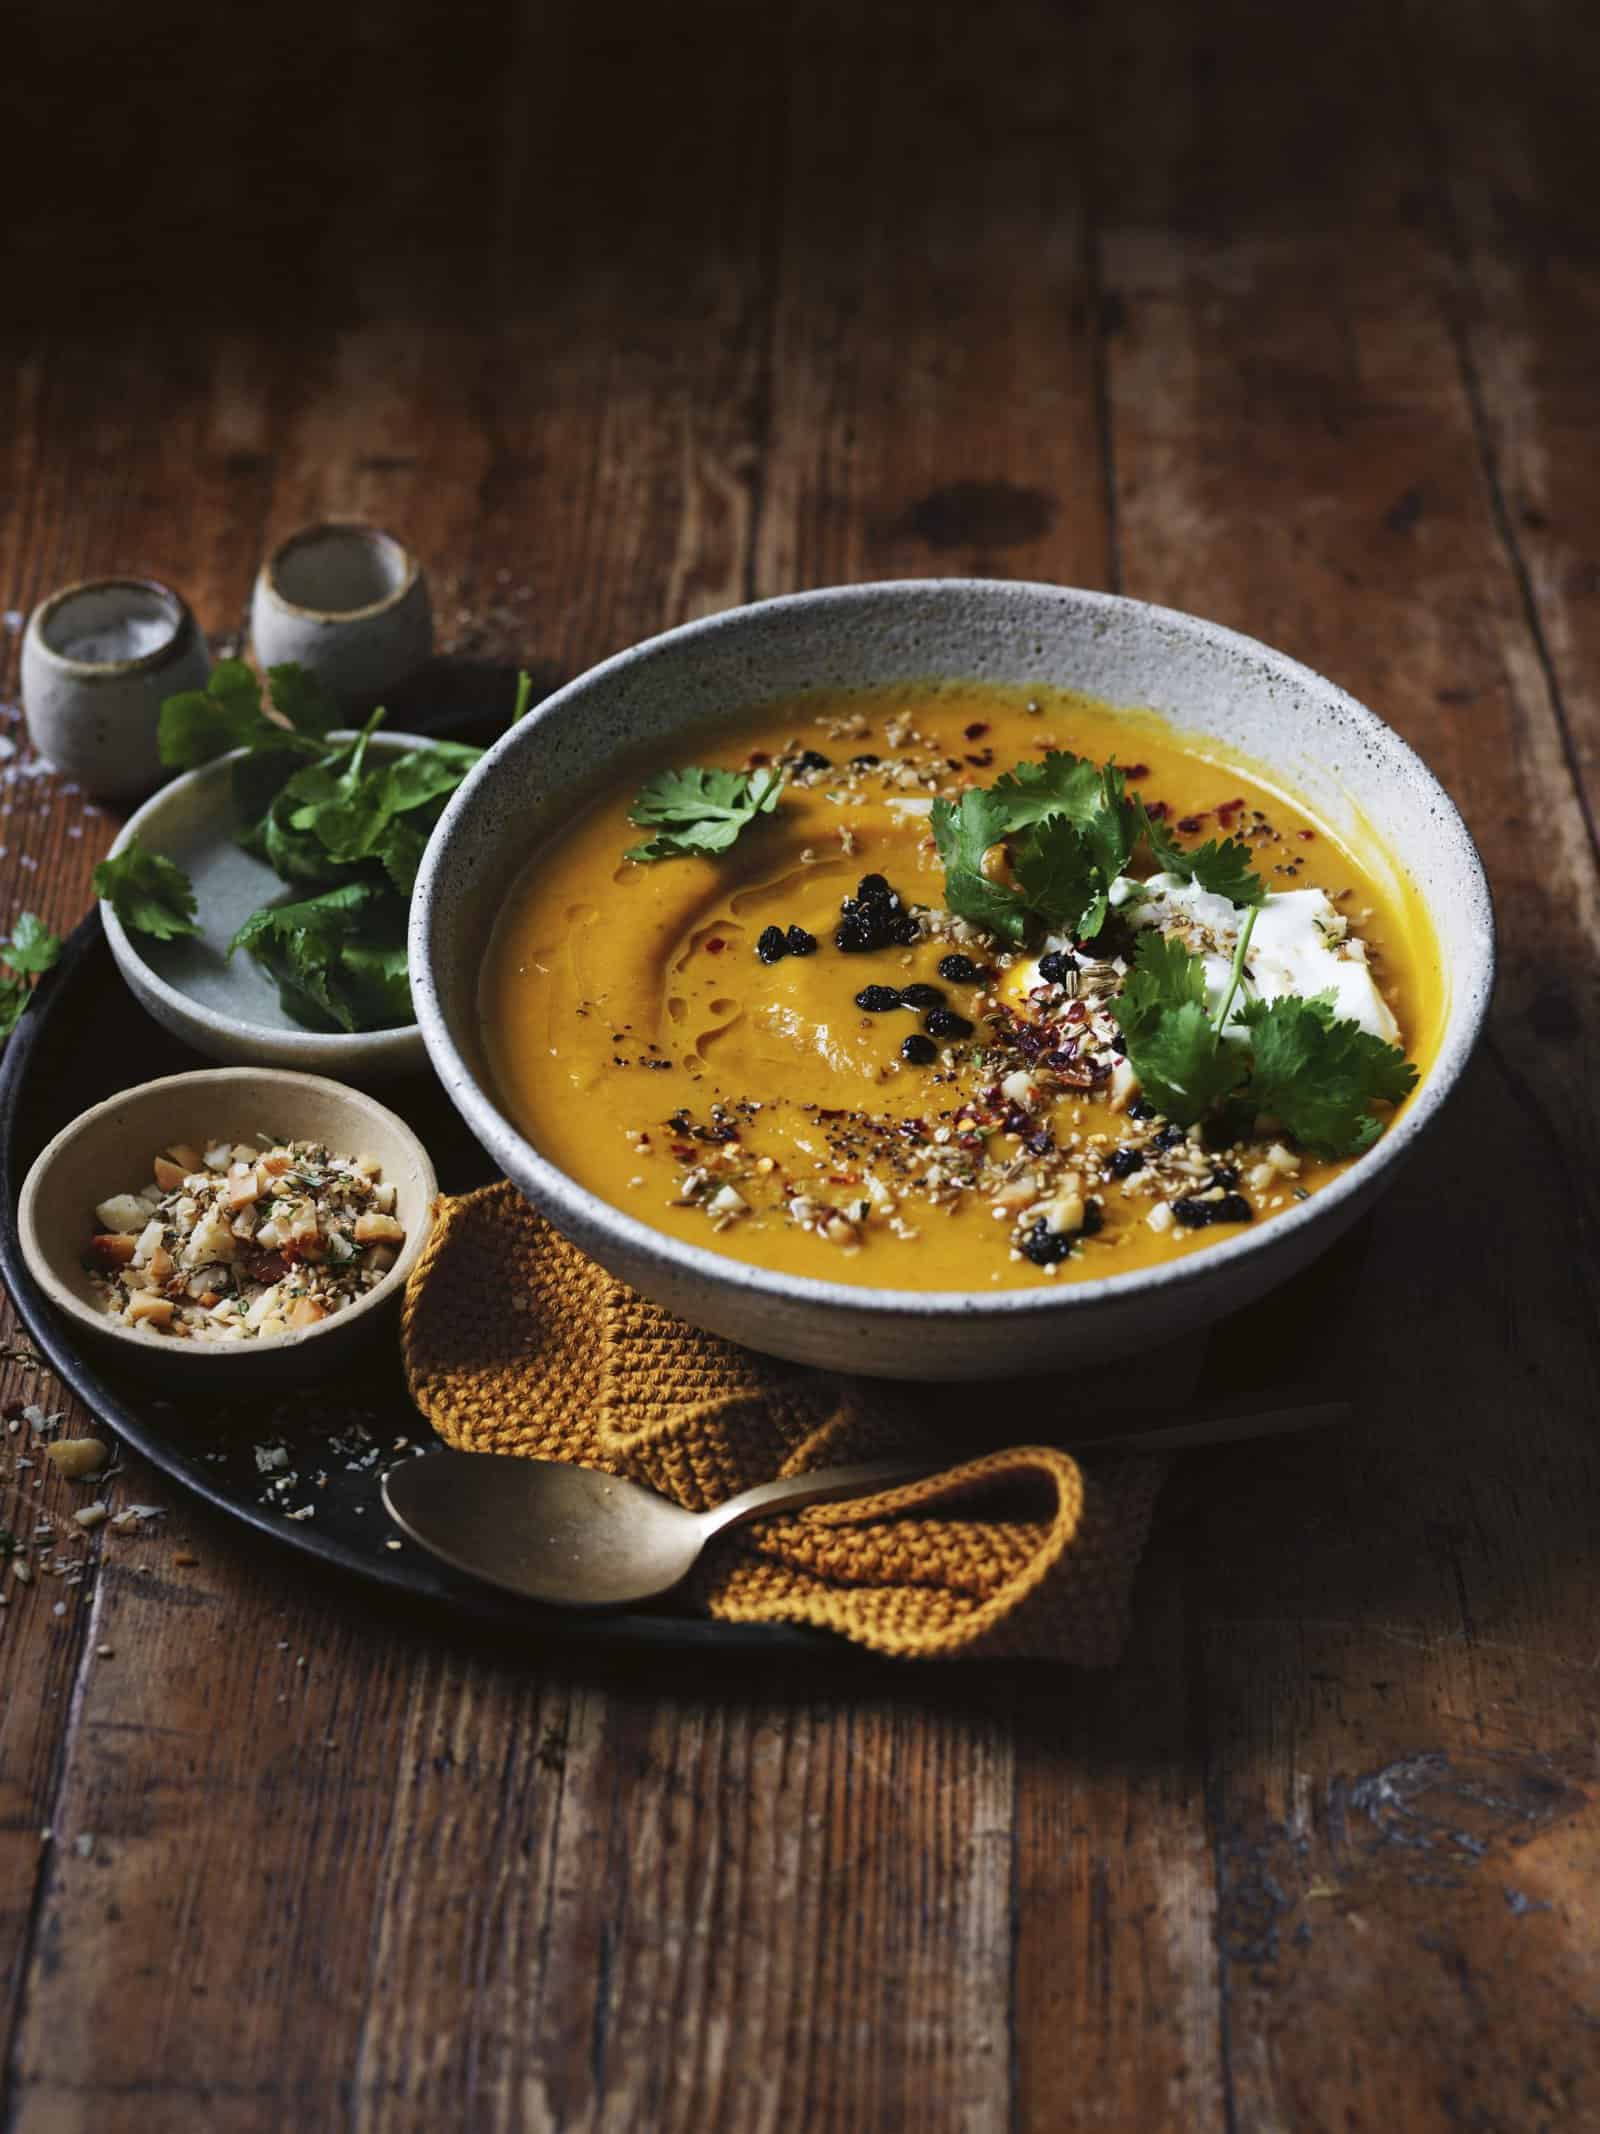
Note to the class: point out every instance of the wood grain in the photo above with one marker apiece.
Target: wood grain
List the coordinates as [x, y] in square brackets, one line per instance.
[619, 324]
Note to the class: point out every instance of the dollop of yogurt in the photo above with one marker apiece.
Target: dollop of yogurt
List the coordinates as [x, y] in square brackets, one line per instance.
[1300, 944]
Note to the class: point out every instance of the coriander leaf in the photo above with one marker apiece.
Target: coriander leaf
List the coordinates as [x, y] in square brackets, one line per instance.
[342, 813]
[700, 811]
[315, 814]
[1224, 870]
[1069, 830]
[200, 724]
[401, 854]
[1112, 827]
[31, 949]
[308, 706]
[32, 946]
[149, 893]
[1062, 784]
[1182, 1065]
[1164, 975]
[963, 833]
[1060, 879]
[339, 959]
[1320, 1075]
[1172, 1043]
[421, 776]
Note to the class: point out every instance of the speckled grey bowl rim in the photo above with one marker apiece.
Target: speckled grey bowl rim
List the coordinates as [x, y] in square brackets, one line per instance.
[375, 536]
[336, 1331]
[184, 630]
[334, 1051]
[566, 1202]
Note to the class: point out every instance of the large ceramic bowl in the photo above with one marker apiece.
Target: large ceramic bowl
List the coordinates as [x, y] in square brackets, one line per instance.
[1351, 768]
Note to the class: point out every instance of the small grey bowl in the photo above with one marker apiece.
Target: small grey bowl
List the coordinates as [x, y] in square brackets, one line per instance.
[1352, 769]
[109, 1149]
[97, 661]
[347, 601]
[228, 1008]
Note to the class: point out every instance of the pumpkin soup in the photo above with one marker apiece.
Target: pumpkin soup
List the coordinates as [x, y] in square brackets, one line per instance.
[952, 986]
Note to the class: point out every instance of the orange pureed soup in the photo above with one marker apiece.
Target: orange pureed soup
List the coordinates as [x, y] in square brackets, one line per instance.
[722, 1045]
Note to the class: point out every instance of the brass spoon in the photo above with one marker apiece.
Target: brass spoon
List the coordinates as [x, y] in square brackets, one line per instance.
[577, 1538]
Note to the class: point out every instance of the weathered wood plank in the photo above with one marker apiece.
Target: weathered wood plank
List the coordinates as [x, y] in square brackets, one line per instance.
[933, 404]
[1397, 1619]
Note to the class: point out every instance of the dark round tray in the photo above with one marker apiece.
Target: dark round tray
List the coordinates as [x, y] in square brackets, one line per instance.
[83, 1038]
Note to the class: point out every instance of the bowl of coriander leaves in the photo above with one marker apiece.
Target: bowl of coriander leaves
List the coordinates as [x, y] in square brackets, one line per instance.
[257, 904]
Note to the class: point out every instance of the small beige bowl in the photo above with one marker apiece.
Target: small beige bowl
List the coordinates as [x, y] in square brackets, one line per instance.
[348, 601]
[109, 1150]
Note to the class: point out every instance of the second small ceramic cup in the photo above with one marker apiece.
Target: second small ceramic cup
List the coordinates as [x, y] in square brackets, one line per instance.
[348, 602]
[98, 659]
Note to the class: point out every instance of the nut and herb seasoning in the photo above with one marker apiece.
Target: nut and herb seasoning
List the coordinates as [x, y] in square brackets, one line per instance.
[239, 1241]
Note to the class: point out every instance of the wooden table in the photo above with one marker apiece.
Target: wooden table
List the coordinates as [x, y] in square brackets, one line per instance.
[1291, 320]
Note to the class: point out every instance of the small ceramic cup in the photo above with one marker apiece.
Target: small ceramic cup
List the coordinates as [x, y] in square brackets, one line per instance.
[346, 601]
[98, 659]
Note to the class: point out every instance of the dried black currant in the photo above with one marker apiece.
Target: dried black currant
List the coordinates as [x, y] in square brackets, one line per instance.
[1201, 1214]
[961, 970]
[772, 946]
[813, 760]
[799, 942]
[945, 1022]
[921, 996]
[1047, 1247]
[918, 1050]
[878, 999]
[1124, 1163]
[1056, 967]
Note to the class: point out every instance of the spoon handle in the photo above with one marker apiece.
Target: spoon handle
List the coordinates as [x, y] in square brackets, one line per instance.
[791, 1493]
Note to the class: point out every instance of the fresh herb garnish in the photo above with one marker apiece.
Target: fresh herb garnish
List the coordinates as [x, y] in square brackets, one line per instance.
[337, 815]
[32, 947]
[339, 959]
[1068, 829]
[326, 819]
[228, 713]
[698, 811]
[31, 950]
[1173, 1043]
[1320, 1074]
[1226, 870]
[149, 893]
[1301, 1064]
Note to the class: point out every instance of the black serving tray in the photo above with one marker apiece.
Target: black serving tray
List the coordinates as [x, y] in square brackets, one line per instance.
[84, 1037]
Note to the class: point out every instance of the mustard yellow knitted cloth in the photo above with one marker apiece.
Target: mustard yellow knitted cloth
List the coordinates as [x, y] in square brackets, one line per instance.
[515, 1342]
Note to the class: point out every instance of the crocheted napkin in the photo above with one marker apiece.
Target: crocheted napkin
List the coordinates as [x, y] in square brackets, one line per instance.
[515, 1342]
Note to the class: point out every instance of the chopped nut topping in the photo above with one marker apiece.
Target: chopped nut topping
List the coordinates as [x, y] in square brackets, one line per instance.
[244, 1242]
